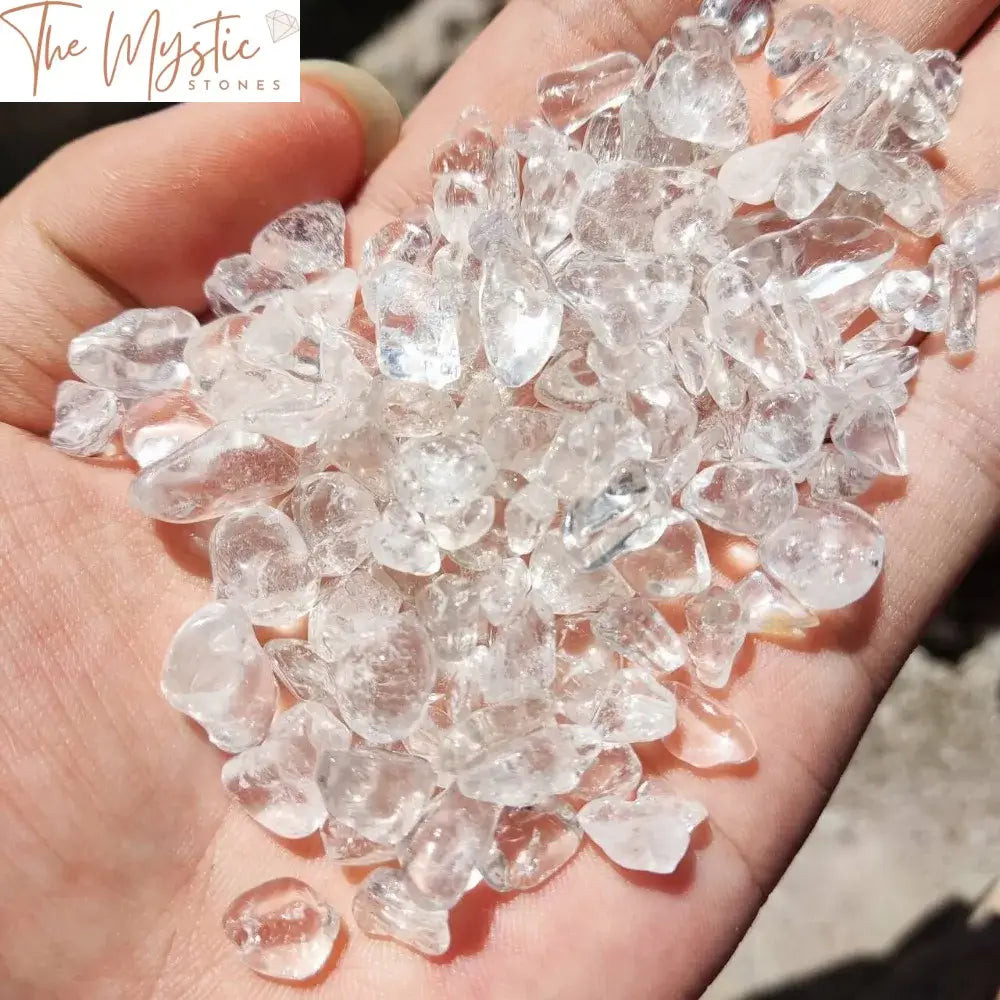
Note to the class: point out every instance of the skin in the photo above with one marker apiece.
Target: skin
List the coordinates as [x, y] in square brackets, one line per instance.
[118, 850]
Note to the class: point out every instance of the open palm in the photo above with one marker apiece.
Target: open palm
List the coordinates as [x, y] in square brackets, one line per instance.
[118, 849]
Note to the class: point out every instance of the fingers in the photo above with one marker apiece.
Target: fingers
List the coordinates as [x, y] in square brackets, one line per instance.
[139, 213]
[532, 37]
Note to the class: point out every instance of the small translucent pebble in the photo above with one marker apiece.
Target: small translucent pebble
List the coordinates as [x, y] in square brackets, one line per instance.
[449, 608]
[242, 284]
[385, 906]
[345, 846]
[867, 433]
[221, 470]
[157, 426]
[570, 97]
[835, 476]
[303, 671]
[503, 591]
[464, 528]
[741, 498]
[635, 628]
[530, 845]
[260, 561]
[399, 540]
[898, 293]
[787, 426]
[282, 929]
[751, 174]
[377, 793]
[769, 609]
[616, 771]
[750, 21]
[635, 708]
[963, 307]
[528, 516]
[651, 834]
[708, 734]
[441, 851]
[804, 184]
[410, 409]
[811, 91]
[346, 607]
[216, 673]
[946, 74]
[562, 586]
[524, 664]
[442, 475]
[715, 634]
[304, 240]
[139, 353]
[276, 781]
[526, 770]
[828, 556]
[677, 564]
[86, 419]
[385, 674]
[801, 38]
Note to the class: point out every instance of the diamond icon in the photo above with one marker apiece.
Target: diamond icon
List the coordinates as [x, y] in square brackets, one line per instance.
[281, 25]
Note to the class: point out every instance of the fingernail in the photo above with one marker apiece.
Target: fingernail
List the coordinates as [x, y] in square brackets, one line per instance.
[371, 102]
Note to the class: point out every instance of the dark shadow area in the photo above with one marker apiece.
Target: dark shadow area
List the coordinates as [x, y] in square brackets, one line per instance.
[942, 958]
[32, 132]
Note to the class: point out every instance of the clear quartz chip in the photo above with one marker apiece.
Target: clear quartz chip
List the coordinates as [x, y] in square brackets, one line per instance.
[741, 498]
[751, 174]
[261, 562]
[155, 427]
[242, 284]
[801, 38]
[708, 734]
[867, 433]
[442, 475]
[304, 240]
[217, 673]
[562, 586]
[440, 853]
[400, 540]
[946, 77]
[828, 556]
[385, 906]
[528, 516]
[652, 833]
[787, 426]
[569, 98]
[635, 708]
[86, 419]
[617, 771]
[222, 470]
[346, 847]
[715, 634]
[282, 929]
[677, 564]
[302, 670]
[530, 845]
[637, 630]
[769, 609]
[750, 21]
[379, 794]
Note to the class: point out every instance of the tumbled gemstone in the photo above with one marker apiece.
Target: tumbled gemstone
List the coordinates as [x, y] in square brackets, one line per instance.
[963, 306]
[708, 734]
[787, 426]
[242, 284]
[898, 293]
[304, 240]
[465, 527]
[221, 470]
[751, 174]
[139, 353]
[552, 187]
[410, 409]
[399, 540]
[801, 38]
[715, 634]
[834, 476]
[811, 91]
[804, 184]
[616, 771]
[621, 518]
[520, 313]
[282, 929]
[570, 97]
[449, 608]
[261, 562]
[442, 475]
[741, 498]
[440, 852]
[416, 325]
[603, 138]
[946, 76]
[470, 148]
[385, 673]
[828, 556]
[700, 98]
[769, 609]
[518, 438]
[303, 671]
[503, 591]
[530, 845]
[584, 669]
[377, 793]
[460, 198]
[750, 21]
[563, 587]
[524, 661]
[365, 596]
[528, 516]
[385, 906]
[634, 628]
[409, 240]
[867, 433]
[569, 383]
[216, 673]
[635, 708]
[86, 419]
[157, 426]
[345, 846]
[526, 770]
[677, 564]
[652, 833]
[276, 781]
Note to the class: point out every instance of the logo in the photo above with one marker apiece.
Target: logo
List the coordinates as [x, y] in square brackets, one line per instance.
[133, 50]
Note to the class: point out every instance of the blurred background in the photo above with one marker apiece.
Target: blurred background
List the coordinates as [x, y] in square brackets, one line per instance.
[894, 895]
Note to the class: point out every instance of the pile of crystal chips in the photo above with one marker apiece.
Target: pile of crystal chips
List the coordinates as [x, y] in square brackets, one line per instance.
[474, 480]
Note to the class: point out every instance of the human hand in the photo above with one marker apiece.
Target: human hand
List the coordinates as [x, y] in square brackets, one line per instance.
[118, 853]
